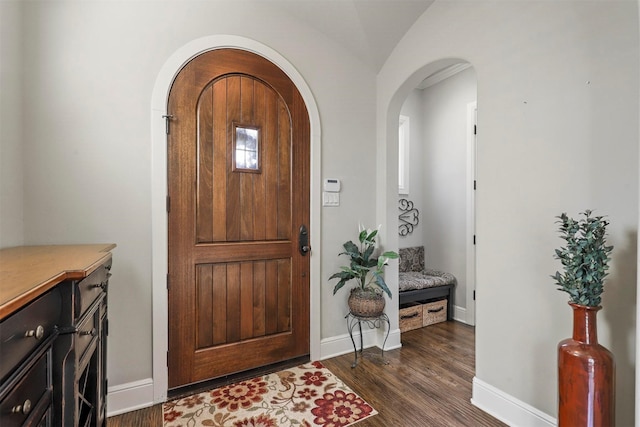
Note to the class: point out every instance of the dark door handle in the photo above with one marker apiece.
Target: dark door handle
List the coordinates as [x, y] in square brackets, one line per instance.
[303, 241]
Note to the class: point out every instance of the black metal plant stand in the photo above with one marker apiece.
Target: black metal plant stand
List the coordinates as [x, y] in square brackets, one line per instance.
[372, 322]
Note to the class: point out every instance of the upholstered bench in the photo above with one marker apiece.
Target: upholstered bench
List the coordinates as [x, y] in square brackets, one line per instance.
[417, 283]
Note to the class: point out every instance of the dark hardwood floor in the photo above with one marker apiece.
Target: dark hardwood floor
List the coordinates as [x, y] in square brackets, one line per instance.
[427, 382]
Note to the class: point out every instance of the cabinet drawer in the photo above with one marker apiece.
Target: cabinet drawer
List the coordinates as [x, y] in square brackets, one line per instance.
[30, 399]
[87, 332]
[25, 330]
[89, 289]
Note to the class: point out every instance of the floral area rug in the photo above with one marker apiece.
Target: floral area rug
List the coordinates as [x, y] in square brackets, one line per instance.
[307, 395]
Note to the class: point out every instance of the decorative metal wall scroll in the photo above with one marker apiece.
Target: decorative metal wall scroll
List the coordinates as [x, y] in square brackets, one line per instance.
[408, 218]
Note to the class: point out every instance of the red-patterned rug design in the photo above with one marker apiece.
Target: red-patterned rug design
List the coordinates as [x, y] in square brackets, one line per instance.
[305, 396]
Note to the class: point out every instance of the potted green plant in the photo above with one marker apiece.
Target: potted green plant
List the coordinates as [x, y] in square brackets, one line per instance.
[585, 258]
[365, 270]
[586, 370]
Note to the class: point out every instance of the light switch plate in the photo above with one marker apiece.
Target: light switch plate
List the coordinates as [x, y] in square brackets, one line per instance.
[330, 199]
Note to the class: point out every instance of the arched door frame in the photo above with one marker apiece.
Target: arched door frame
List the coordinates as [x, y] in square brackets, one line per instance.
[387, 158]
[159, 239]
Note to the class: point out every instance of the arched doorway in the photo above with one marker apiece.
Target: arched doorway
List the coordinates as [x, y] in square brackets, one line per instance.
[159, 191]
[387, 150]
[238, 283]
[440, 176]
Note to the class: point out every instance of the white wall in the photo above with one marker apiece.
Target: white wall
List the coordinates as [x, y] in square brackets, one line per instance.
[412, 108]
[11, 155]
[91, 67]
[558, 110]
[444, 127]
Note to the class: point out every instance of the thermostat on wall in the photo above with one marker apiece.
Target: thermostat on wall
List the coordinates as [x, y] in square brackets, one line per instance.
[332, 185]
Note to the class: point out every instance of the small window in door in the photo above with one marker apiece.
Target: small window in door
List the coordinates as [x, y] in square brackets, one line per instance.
[246, 148]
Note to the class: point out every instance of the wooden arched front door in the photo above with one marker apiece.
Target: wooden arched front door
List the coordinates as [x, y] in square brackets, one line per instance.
[238, 180]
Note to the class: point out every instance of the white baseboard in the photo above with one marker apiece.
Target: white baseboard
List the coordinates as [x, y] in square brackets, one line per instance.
[130, 397]
[460, 314]
[342, 344]
[507, 408]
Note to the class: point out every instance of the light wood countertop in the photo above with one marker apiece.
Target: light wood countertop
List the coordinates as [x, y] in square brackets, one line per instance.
[26, 272]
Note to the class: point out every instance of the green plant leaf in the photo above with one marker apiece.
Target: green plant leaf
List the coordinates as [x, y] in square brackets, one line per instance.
[382, 284]
[339, 285]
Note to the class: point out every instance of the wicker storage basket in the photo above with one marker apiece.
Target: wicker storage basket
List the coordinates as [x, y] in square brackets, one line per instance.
[434, 312]
[411, 317]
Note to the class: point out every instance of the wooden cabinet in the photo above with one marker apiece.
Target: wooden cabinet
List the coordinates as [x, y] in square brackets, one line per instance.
[26, 371]
[53, 332]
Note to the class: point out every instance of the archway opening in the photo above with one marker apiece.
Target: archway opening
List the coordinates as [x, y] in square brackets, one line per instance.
[436, 165]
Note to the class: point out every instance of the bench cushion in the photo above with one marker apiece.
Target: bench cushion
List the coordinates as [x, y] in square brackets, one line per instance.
[428, 278]
[411, 259]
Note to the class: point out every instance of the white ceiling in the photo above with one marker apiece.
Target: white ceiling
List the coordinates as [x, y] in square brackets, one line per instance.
[369, 29]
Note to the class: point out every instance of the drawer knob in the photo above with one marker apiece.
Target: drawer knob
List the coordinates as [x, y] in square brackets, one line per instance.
[25, 408]
[101, 285]
[92, 332]
[38, 332]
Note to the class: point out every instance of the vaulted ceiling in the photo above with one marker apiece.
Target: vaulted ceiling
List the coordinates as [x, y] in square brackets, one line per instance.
[368, 28]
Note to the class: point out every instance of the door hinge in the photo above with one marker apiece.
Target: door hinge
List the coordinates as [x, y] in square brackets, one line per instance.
[168, 202]
[167, 358]
[474, 295]
[167, 281]
[167, 120]
[475, 129]
[475, 184]
[474, 239]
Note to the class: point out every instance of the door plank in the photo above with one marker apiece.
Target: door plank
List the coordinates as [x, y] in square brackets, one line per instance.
[219, 196]
[233, 302]
[271, 178]
[284, 172]
[259, 296]
[271, 305]
[204, 278]
[239, 251]
[246, 179]
[233, 178]
[246, 206]
[219, 304]
[204, 222]
[284, 289]
[247, 99]
[246, 300]
[259, 182]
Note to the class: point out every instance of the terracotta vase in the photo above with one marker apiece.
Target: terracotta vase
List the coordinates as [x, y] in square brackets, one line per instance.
[586, 375]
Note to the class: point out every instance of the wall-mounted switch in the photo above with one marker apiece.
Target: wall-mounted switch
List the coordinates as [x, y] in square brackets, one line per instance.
[330, 199]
